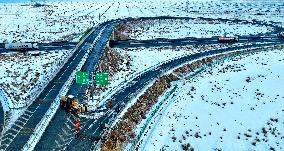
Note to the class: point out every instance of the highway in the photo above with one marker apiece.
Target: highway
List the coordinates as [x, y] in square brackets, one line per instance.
[16, 137]
[1, 117]
[185, 41]
[60, 130]
[59, 134]
[92, 128]
[47, 46]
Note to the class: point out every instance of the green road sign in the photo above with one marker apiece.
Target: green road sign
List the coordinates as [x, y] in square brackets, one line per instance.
[101, 79]
[82, 77]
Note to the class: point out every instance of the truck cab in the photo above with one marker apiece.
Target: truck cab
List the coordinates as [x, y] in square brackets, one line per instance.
[224, 39]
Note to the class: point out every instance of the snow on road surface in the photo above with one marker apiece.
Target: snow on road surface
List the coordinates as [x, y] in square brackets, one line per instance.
[68, 19]
[235, 105]
[181, 28]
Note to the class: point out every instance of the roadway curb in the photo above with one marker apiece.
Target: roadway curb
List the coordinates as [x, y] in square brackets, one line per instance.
[223, 51]
[42, 125]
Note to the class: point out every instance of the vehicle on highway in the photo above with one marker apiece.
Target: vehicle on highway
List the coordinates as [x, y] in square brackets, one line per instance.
[280, 35]
[224, 39]
[21, 46]
[71, 104]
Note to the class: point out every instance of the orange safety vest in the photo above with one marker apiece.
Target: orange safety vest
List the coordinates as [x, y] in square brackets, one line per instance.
[110, 104]
[77, 124]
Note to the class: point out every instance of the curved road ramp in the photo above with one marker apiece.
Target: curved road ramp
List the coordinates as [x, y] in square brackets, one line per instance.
[34, 129]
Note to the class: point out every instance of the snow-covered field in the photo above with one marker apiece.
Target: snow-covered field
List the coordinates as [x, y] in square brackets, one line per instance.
[181, 28]
[235, 105]
[67, 19]
[141, 60]
[145, 58]
[24, 75]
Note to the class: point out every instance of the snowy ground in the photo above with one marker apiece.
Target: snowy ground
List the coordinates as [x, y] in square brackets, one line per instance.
[235, 105]
[180, 28]
[143, 59]
[67, 19]
[24, 75]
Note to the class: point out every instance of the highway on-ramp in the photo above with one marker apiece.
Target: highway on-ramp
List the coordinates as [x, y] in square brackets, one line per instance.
[92, 129]
[59, 134]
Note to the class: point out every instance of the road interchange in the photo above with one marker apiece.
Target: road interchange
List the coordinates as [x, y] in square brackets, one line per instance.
[92, 126]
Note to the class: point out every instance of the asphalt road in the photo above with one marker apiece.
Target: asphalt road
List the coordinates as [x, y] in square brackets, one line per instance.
[63, 122]
[59, 135]
[16, 137]
[92, 127]
[46, 46]
[1, 117]
[185, 41]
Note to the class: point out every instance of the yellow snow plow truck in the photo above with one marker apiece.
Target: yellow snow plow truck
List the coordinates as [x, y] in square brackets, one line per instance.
[71, 104]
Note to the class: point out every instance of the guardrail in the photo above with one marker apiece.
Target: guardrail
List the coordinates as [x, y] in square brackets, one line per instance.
[152, 114]
[220, 51]
[41, 126]
[68, 84]
[6, 101]
[46, 80]
[123, 83]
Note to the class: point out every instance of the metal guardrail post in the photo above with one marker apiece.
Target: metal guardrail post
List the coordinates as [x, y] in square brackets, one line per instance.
[55, 105]
[152, 114]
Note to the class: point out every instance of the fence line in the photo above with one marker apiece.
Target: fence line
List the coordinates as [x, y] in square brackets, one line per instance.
[152, 114]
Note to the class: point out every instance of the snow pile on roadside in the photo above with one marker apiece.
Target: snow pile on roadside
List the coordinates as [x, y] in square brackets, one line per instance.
[24, 75]
[235, 105]
[180, 28]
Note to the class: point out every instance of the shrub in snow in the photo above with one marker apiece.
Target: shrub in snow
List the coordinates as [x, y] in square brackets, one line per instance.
[185, 146]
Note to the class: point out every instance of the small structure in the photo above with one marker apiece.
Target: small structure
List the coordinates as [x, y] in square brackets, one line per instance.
[21, 46]
[224, 39]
